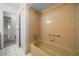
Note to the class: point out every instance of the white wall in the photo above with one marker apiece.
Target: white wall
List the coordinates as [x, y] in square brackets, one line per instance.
[24, 28]
[7, 8]
[17, 21]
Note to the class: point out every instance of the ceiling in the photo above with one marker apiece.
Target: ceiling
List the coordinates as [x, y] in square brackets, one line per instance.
[42, 6]
[37, 6]
[14, 6]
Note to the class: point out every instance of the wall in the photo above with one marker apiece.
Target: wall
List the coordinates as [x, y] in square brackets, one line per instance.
[7, 8]
[23, 28]
[23, 15]
[60, 21]
[34, 24]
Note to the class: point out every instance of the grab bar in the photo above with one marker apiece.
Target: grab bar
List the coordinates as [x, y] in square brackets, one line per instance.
[54, 35]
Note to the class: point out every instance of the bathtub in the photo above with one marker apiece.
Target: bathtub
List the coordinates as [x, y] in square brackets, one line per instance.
[41, 48]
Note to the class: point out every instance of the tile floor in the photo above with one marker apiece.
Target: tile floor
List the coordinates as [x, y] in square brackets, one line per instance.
[20, 52]
[13, 50]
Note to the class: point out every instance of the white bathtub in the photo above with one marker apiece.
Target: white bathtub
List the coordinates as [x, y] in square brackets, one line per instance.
[41, 48]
